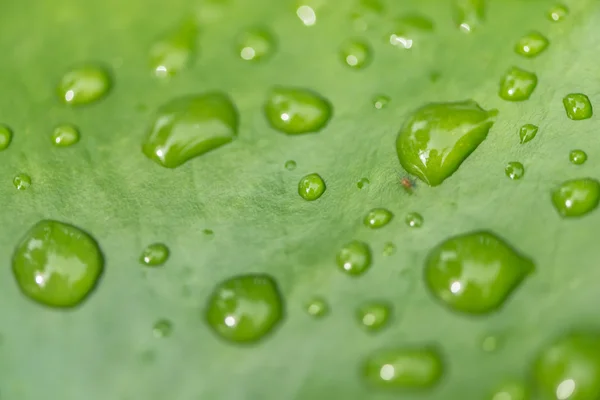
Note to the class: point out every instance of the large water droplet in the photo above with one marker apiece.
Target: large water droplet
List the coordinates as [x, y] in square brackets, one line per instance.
[577, 157]
[414, 220]
[256, 44]
[474, 273]
[576, 197]
[174, 51]
[162, 328]
[517, 84]
[154, 255]
[409, 29]
[57, 264]
[189, 126]
[469, 14]
[354, 258]
[531, 44]
[295, 111]
[65, 135]
[6, 136]
[378, 218]
[578, 106]
[22, 181]
[514, 170]
[374, 316]
[511, 390]
[317, 307]
[84, 85]
[527, 132]
[558, 12]
[355, 53]
[311, 187]
[245, 308]
[438, 137]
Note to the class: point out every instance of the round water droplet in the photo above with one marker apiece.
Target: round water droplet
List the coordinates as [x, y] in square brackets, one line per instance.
[174, 51]
[404, 368]
[410, 29]
[65, 135]
[511, 390]
[527, 132]
[414, 220]
[578, 106]
[577, 157]
[517, 84]
[514, 170]
[154, 255]
[373, 316]
[354, 258]
[576, 197]
[296, 111]
[378, 218]
[162, 328]
[437, 138]
[290, 165]
[532, 44]
[256, 44]
[355, 53]
[381, 101]
[84, 85]
[189, 126]
[469, 14]
[307, 15]
[245, 308]
[6, 136]
[474, 273]
[363, 183]
[558, 12]
[317, 307]
[389, 249]
[311, 187]
[57, 264]
[569, 368]
[22, 181]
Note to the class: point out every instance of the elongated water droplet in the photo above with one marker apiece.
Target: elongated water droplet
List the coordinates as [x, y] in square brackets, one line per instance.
[469, 14]
[514, 170]
[65, 135]
[354, 258]
[189, 126]
[532, 44]
[317, 307]
[511, 390]
[22, 181]
[389, 249]
[355, 53]
[517, 84]
[577, 197]
[84, 85]
[475, 273]
[290, 165]
[577, 157]
[256, 44]
[245, 308]
[558, 12]
[162, 328]
[381, 101]
[373, 316]
[527, 132]
[378, 218]
[311, 187]
[409, 29]
[578, 106]
[404, 368]
[437, 138]
[174, 51]
[57, 264]
[6, 136]
[414, 220]
[363, 183]
[295, 111]
[154, 255]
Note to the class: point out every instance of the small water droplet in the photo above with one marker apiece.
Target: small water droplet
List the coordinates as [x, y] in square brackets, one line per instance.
[189, 126]
[256, 44]
[409, 29]
[311, 187]
[531, 44]
[154, 255]
[514, 170]
[381, 101]
[469, 14]
[438, 137]
[317, 307]
[363, 183]
[576, 197]
[355, 53]
[578, 106]
[6, 136]
[404, 368]
[307, 15]
[57, 264]
[527, 132]
[374, 316]
[162, 328]
[354, 258]
[558, 12]
[475, 273]
[174, 51]
[295, 111]
[245, 308]
[389, 249]
[84, 85]
[290, 165]
[414, 220]
[511, 390]
[517, 84]
[378, 218]
[65, 135]
[577, 157]
[22, 181]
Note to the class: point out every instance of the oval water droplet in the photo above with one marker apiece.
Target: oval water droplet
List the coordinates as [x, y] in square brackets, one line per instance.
[57, 264]
[381, 101]
[22, 181]
[475, 273]
[355, 53]
[527, 132]
[517, 84]
[558, 12]
[373, 316]
[389, 249]
[532, 44]
[514, 170]
[162, 328]
[317, 307]
[189, 126]
[174, 51]
[378, 218]
[256, 44]
[6, 136]
[354, 258]
[577, 157]
[511, 390]
[438, 137]
[84, 85]
[414, 220]
[469, 14]
[245, 308]
[363, 183]
[154, 255]
[65, 135]
[576, 197]
[410, 29]
[578, 106]
[311, 187]
[307, 15]
[295, 111]
[290, 165]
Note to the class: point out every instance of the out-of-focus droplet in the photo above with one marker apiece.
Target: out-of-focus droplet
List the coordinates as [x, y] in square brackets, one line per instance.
[290, 165]
[6, 136]
[256, 44]
[355, 53]
[317, 307]
[409, 30]
[174, 51]
[558, 12]
[469, 14]
[381, 101]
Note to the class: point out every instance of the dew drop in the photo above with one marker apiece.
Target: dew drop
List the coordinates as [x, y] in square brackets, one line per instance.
[355, 53]
[517, 84]
[174, 51]
[22, 181]
[354, 258]
[380, 101]
[378, 218]
[162, 328]
[531, 44]
[154, 255]
[389, 249]
[57, 264]
[84, 85]
[295, 111]
[245, 308]
[311, 187]
[363, 183]
[558, 12]
[189, 126]
[290, 165]
[577, 197]
[577, 157]
[438, 137]
[527, 132]
[475, 273]
[65, 135]
[511, 390]
[414, 220]
[514, 170]
[469, 14]
[307, 15]
[317, 307]
[409, 29]
[373, 316]
[6, 136]
[256, 44]
[578, 106]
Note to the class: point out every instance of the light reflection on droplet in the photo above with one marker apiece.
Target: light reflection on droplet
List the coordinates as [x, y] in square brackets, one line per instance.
[455, 287]
[247, 53]
[307, 15]
[230, 321]
[387, 372]
[465, 27]
[565, 389]
[401, 41]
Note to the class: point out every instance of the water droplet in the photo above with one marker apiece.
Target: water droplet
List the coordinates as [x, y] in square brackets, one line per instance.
[378, 218]
[414, 220]
[57, 264]
[189, 126]
[409, 29]
[174, 51]
[290, 165]
[22, 181]
[517, 84]
[381, 101]
[245, 308]
[531, 44]
[576, 197]
[558, 12]
[307, 15]
[578, 106]
[404, 368]
[84, 85]
[6, 136]
[514, 170]
[65, 135]
[317, 307]
[162, 328]
[569, 368]
[256, 44]
[154, 255]
[389, 249]
[295, 111]
[311, 187]
[577, 157]
[511, 390]
[527, 132]
[475, 273]
[363, 183]
[354, 258]
[469, 14]
[373, 316]
[355, 53]
[438, 137]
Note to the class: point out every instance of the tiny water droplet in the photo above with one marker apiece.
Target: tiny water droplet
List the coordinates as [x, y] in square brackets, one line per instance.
[409, 29]
[22, 181]
[576, 197]
[317, 307]
[307, 15]
[57, 264]
[6, 136]
[84, 85]
[414, 220]
[532, 44]
[517, 84]
[363, 183]
[577, 157]
[290, 165]
[295, 111]
[311, 187]
[189, 126]
[354, 258]
[389, 249]
[373, 316]
[174, 51]
[381, 101]
[475, 273]
[404, 368]
[511, 390]
[245, 308]
[578, 106]
[378, 218]
[154, 255]
[558, 12]
[438, 137]
[514, 170]
[469, 14]
[355, 53]
[162, 328]
[65, 135]
[527, 132]
[256, 44]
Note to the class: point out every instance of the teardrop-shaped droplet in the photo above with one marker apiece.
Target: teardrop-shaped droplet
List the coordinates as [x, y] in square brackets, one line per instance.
[469, 14]
[414, 220]
[162, 328]
[514, 170]
[295, 111]
[174, 51]
[311, 187]
[374, 316]
[378, 218]
[532, 44]
[354, 258]
[22, 181]
[84, 85]
[527, 132]
[355, 53]
[576, 197]
[409, 30]
[154, 255]
[517, 84]
[317, 307]
[65, 135]
[511, 390]
[256, 44]
[577, 157]
[578, 106]
[558, 12]
[6, 136]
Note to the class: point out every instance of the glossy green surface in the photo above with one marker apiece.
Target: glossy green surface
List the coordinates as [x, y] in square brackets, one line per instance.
[154, 255]
[527, 132]
[532, 44]
[514, 170]
[84, 85]
[6, 136]
[65, 135]
[517, 84]
[378, 218]
[578, 157]
[578, 106]
[576, 197]
[354, 258]
[174, 50]
[373, 316]
[311, 187]
[256, 44]
[296, 111]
